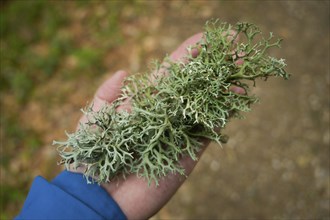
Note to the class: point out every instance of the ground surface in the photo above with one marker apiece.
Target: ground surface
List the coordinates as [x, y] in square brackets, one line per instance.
[276, 164]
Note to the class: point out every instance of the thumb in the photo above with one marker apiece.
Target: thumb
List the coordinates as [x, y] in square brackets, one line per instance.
[109, 90]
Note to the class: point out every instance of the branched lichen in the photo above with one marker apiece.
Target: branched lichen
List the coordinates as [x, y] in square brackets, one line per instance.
[171, 113]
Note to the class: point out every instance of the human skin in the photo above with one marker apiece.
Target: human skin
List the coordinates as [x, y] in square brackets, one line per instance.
[136, 198]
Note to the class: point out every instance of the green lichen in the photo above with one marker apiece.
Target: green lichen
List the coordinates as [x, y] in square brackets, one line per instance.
[171, 113]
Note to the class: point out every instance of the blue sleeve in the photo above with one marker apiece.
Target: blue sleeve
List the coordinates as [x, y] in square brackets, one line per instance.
[68, 196]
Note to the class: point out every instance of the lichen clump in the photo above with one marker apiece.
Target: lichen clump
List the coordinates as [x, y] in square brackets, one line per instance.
[175, 108]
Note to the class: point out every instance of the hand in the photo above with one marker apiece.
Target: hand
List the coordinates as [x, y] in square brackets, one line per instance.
[136, 198]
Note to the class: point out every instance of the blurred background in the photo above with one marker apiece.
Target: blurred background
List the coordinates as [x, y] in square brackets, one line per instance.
[54, 55]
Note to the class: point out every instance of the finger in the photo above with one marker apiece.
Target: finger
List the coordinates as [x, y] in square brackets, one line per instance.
[182, 51]
[180, 54]
[238, 90]
[109, 90]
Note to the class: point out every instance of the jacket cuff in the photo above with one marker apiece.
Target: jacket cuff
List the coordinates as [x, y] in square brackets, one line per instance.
[69, 196]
